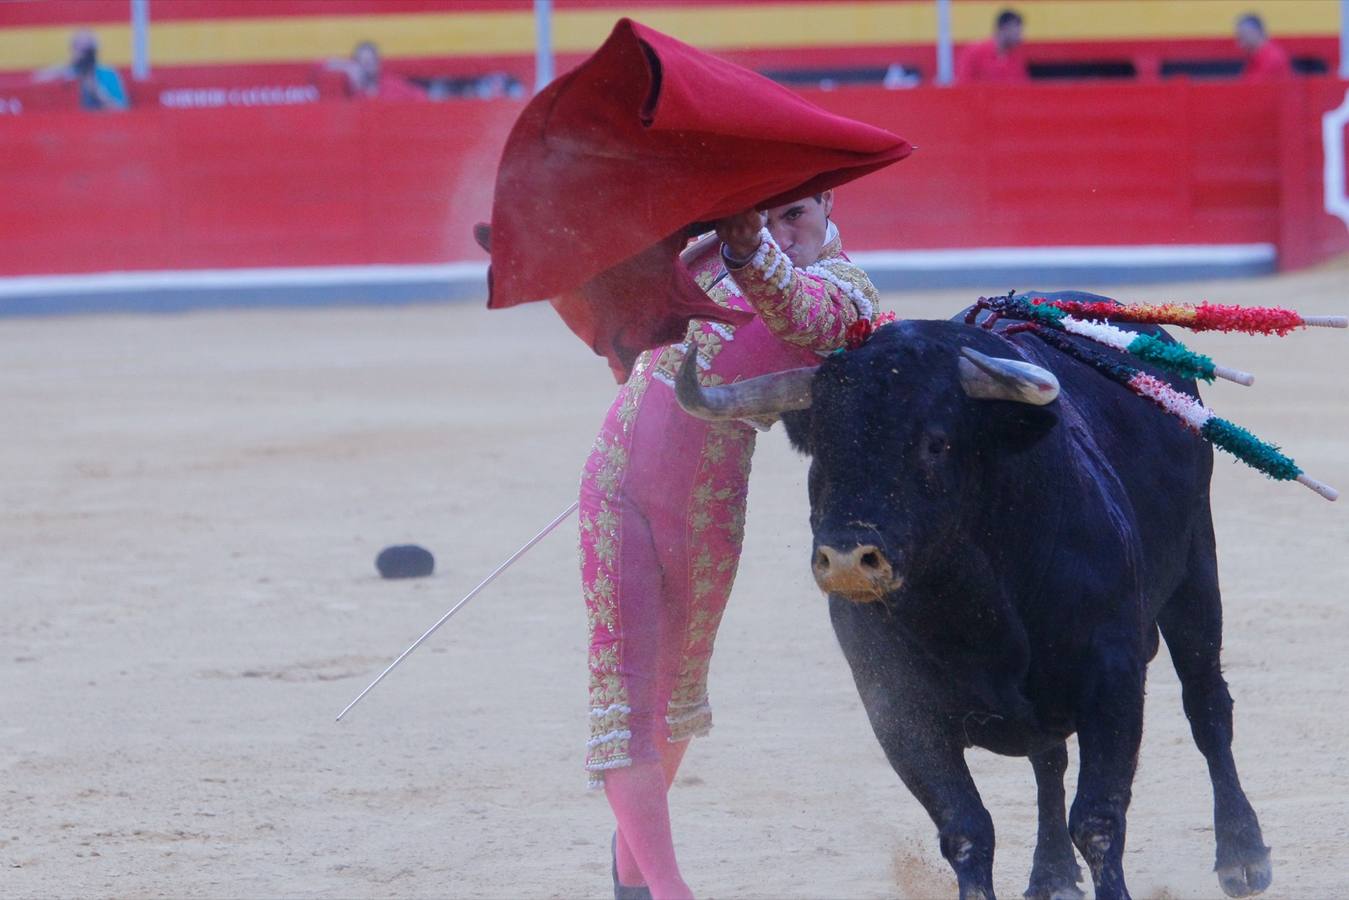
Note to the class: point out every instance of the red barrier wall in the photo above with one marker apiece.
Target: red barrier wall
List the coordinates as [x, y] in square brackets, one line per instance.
[320, 184]
[1307, 234]
[338, 183]
[1071, 164]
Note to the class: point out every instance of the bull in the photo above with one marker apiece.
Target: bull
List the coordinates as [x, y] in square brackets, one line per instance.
[1002, 534]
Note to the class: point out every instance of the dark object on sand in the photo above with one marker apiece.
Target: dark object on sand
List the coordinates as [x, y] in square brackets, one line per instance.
[405, 561]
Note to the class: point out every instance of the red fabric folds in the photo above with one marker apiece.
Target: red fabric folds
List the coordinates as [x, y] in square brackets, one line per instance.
[610, 168]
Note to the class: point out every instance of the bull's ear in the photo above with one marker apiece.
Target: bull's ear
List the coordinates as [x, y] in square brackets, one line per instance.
[991, 378]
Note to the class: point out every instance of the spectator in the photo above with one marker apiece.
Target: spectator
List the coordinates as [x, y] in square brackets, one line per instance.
[492, 86]
[100, 87]
[496, 85]
[1266, 60]
[998, 59]
[366, 77]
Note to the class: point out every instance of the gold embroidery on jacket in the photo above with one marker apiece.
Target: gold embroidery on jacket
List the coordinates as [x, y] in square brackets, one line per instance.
[801, 307]
[717, 504]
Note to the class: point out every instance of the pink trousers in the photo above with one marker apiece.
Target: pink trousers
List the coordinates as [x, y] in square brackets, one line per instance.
[662, 520]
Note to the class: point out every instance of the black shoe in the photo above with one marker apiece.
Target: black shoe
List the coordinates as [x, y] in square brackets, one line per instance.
[621, 890]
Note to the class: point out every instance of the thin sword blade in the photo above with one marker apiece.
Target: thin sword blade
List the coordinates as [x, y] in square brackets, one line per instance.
[561, 517]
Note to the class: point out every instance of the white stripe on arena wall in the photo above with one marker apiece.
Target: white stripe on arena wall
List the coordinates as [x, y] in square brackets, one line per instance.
[208, 279]
[469, 274]
[1144, 256]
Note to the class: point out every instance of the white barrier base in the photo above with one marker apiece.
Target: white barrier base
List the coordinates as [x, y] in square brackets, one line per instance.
[991, 269]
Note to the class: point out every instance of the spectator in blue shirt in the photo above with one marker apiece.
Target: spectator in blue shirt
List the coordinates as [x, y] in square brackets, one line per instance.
[100, 87]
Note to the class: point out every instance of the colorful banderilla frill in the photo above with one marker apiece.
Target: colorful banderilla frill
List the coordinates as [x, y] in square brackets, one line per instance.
[1169, 355]
[1222, 433]
[1197, 316]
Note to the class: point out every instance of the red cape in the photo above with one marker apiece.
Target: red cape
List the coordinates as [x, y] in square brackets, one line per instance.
[610, 168]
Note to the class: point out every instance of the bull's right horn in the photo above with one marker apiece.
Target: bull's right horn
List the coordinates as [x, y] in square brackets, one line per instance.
[765, 396]
[992, 378]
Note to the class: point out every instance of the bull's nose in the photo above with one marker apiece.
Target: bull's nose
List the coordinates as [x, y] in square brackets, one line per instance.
[861, 573]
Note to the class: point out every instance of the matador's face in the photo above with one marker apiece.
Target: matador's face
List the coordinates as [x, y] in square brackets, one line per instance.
[800, 227]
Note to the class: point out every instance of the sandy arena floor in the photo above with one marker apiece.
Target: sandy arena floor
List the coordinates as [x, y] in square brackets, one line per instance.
[190, 510]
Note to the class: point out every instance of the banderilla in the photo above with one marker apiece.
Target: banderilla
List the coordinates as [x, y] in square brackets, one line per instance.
[561, 517]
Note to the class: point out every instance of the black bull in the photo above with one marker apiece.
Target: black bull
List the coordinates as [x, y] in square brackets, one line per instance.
[998, 573]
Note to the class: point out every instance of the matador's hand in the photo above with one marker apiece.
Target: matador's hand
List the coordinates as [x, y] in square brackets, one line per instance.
[740, 233]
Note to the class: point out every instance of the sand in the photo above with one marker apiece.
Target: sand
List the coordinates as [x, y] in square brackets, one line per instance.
[189, 514]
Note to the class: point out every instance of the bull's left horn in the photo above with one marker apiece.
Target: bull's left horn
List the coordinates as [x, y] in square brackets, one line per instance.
[767, 395]
[990, 378]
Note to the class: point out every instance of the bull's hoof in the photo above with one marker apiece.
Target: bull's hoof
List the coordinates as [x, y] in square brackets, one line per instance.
[1054, 892]
[1246, 879]
[1050, 882]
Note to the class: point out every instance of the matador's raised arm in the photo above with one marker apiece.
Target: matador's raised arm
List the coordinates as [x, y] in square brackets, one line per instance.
[811, 307]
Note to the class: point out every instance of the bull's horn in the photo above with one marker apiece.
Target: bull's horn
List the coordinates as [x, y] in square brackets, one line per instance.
[767, 395]
[990, 378]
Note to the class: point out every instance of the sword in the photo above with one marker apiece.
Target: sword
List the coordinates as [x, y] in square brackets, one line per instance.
[561, 517]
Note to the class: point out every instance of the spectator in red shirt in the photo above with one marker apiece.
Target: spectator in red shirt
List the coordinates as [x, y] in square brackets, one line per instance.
[367, 79]
[998, 59]
[1266, 60]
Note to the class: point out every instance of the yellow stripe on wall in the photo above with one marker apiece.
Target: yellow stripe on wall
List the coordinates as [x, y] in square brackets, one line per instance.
[733, 26]
[1122, 20]
[755, 26]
